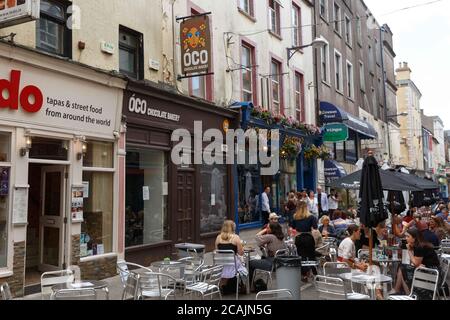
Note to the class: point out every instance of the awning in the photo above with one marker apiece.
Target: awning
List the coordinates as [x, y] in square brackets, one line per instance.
[333, 171]
[329, 113]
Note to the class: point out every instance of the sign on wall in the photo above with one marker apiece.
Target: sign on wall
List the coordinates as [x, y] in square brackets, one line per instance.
[335, 132]
[14, 12]
[195, 45]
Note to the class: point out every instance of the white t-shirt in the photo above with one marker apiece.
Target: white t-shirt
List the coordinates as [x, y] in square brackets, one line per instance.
[332, 204]
[347, 249]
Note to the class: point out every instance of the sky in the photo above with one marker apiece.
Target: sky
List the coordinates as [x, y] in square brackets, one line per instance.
[422, 38]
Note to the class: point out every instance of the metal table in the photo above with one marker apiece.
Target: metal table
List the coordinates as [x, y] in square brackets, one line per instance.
[168, 267]
[368, 280]
[247, 254]
[85, 284]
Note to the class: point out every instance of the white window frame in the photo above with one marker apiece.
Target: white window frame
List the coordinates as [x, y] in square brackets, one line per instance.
[276, 22]
[325, 50]
[350, 80]
[339, 83]
[348, 30]
[296, 13]
[276, 80]
[359, 30]
[362, 76]
[323, 3]
[299, 109]
[337, 17]
[249, 69]
[250, 4]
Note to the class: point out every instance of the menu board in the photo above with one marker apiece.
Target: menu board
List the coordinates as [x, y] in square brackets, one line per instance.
[77, 203]
[20, 205]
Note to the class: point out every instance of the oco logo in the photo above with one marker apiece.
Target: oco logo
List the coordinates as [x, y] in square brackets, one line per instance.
[30, 97]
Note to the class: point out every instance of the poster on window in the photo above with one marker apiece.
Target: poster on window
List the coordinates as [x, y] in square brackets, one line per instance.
[77, 203]
[4, 181]
[195, 45]
[14, 12]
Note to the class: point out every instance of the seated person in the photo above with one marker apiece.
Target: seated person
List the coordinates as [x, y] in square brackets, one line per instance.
[326, 229]
[347, 249]
[340, 221]
[272, 238]
[421, 253]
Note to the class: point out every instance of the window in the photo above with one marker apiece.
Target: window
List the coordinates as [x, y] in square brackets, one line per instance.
[377, 52]
[249, 182]
[5, 189]
[146, 219]
[359, 30]
[98, 175]
[348, 31]
[300, 97]
[371, 63]
[344, 151]
[131, 53]
[49, 149]
[350, 81]
[362, 77]
[323, 8]
[380, 88]
[213, 197]
[276, 86]
[248, 74]
[296, 26]
[274, 17]
[340, 151]
[52, 35]
[246, 6]
[374, 103]
[198, 87]
[337, 18]
[325, 62]
[338, 71]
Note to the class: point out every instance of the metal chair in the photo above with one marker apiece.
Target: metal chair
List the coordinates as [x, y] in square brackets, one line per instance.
[424, 279]
[268, 274]
[123, 268]
[74, 294]
[445, 265]
[228, 258]
[208, 284]
[156, 285]
[281, 294]
[49, 279]
[334, 268]
[445, 246]
[331, 288]
[5, 292]
[131, 288]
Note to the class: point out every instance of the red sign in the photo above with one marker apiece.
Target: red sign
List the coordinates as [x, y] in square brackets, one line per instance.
[30, 97]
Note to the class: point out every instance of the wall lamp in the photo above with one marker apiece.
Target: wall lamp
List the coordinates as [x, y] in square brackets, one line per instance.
[317, 43]
[81, 154]
[26, 149]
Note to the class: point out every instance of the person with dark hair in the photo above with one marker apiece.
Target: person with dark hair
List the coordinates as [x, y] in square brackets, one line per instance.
[420, 253]
[347, 250]
[265, 205]
[272, 239]
[438, 227]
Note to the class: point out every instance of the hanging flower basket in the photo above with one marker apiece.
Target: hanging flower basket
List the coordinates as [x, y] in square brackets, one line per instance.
[291, 148]
[313, 152]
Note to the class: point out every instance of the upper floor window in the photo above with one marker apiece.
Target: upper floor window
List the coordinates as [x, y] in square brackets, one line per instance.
[52, 34]
[359, 30]
[338, 71]
[325, 62]
[274, 16]
[350, 81]
[296, 26]
[247, 7]
[348, 31]
[276, 85]
[323, 8]
[248, 74]
[131, 53]
[362, 77]
[299, 97]
[337, 18]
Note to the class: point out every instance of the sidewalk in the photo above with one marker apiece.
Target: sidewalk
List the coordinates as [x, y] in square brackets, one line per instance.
[115, 285]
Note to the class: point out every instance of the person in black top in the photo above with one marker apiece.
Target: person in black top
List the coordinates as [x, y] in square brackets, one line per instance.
[421, 253]
[304, 221]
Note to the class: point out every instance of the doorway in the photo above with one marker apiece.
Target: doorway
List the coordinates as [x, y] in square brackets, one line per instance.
[46, 217]
[185, 226]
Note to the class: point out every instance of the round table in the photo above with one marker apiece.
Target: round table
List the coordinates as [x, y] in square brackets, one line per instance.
[85, 284]
[366, 279]
[247, 253]
[167, 266]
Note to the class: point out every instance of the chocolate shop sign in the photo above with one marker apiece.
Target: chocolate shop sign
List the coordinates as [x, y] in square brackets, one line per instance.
[140, 106]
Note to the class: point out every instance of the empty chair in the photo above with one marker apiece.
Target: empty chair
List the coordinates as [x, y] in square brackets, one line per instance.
[425, 282]
[443, 282]
[335, 268]
[5, 292]
[49, 279]
[156, 286]
[258, 273]
[331, 288]
[209, 282]
[124, 268]
[445, 246]
[227, 258]
[131, 288]
[281, 294]
[74, 294]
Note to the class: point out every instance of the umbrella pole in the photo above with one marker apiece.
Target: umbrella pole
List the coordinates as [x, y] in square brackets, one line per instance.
[370, 247]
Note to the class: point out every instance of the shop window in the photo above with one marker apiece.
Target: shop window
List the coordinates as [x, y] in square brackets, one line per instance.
[146, 219]
[131, 53]
[340, 151]
[213, 197]
[49, 149]
[99, 154]
[249, 181]
[52, 34]
[97, 228]
[4, 195]
[5, 147]
[288, 180]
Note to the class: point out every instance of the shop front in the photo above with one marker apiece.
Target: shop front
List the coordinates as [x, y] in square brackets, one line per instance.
[59, 132]
[297, 170]
[165, 203]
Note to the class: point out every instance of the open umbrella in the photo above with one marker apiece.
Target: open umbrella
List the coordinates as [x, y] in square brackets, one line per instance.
[371, 206]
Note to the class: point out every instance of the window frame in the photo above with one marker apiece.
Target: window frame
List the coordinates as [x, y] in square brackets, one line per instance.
[337, 20]
[253, 67]
[362, 77]
[350, 80]
[338, 82]
[359, 31]
[297, 37]
[325, 59]
[300, 111]
[279, 75]
[139, 55]
[348, 30]
[277, 14]
[251, 7]
[66, 34]
[323, 4]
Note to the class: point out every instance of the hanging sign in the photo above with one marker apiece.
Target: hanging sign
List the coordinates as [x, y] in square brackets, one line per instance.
[14, 12]
[335, 132]
[195, 45]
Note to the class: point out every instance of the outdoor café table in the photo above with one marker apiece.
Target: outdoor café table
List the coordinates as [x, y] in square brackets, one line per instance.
[170, 268]
[365, 279]
[247, 253]
[85, 284]
[384, 262]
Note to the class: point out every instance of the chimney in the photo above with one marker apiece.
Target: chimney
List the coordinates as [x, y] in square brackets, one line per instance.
[403, 72]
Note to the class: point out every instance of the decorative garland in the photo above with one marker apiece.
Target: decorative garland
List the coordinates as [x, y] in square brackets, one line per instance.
[273, 118]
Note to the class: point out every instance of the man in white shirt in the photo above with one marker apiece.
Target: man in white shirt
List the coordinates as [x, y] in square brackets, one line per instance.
[265, 205]
[322, 202]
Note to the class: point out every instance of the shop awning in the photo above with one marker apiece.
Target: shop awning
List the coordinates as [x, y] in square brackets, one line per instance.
[334, 171]
[329, 113]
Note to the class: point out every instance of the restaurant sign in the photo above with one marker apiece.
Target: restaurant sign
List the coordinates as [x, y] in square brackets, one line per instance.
[335, 132]
[14, 12]
[195, 45]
